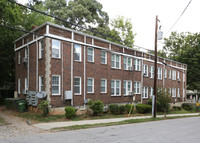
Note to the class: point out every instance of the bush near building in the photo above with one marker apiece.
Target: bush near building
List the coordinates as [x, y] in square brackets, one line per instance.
[44, 107]
[70, 112]
[129, 107]
[143, 108]
[187, 106]
[96, 106]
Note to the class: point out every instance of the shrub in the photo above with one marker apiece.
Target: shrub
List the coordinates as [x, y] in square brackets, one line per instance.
[143, 108]
[176, 108]
[149, 102]
[44, 107]
[128, 108]
[163, 98]
[69, 112]
[122, 109]
[187, 106]
[96, 106]
[114, 109]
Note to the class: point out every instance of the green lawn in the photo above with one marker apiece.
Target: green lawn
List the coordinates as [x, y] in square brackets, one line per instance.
[37, 117]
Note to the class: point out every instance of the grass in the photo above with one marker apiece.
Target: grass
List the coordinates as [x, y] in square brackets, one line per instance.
[130, 121]
[3, 122]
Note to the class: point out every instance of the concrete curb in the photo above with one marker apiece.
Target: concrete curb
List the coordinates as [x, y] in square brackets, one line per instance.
[48, 126]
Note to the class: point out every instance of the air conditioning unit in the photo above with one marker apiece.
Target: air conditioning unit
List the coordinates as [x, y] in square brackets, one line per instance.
[131, 93]
[179, 79]
[130, 68]
[68, 95]
[144, 74]
[25, 60]
[24, 91]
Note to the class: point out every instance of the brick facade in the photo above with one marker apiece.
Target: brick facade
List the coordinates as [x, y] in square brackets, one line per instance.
[67, 68]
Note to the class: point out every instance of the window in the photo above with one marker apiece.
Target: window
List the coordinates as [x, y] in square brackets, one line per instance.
[77, 52]
[178, 77]
[41, 83]
[26, 83]
[170, 91]
[103, 86]
[19, 57]
[19, 86]
[127, 61]
[159, 74]
[90, 54]
[77, 85]
[103, 57]
[173, 92]
[41, 49]
[151, 71]
[137, 87]
[26, 52]
[170, 72]
[90, 85]
[127, 87]
[55, 48]
[55, 85]
[145, 92]
[173, 75]
[165, 73]
[151, 90]
[115, 87]
[137, 64]
[145, 70]
[178, 92]
[115, 61]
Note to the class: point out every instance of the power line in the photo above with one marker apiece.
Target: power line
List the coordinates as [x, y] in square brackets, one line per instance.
[179, 16]
[73, 24]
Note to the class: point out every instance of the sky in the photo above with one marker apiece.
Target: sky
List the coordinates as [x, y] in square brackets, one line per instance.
[143, 14]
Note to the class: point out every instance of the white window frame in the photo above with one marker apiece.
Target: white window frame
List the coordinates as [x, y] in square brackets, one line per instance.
[89, 78]
[56, 85]
[126, 64]
[145, 70]
[170, 74]
[173, 92]
[137, 64]
[19, 86]
[165, 73]
[105, 86]
[41, 83]
[151, 90]
[145, 92]
[104, 57]
[136, 87]
[178, 92]
[41, 49]
[19, 57]
[115, 87]
[178, 75]
[115, 61]
[151, 71]
[126, 88]
[90, 54]
[183, 77]
[57, 48]
[26, 83]
[80, 52]
[77, 85]
[159, 73]
[173, 75]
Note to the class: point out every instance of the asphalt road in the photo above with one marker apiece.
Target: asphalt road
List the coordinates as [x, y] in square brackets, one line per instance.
[186, 130]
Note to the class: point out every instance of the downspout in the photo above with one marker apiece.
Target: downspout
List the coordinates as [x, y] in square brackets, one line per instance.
[164, 76]
[37, 66]
[62, 73]
[84, 72]
[72, 45]
[141, 79]
[28, 67]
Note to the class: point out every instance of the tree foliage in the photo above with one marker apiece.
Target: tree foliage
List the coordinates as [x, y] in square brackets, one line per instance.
[185, 48]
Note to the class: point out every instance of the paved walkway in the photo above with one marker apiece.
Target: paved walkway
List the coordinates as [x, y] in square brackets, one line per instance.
[48, 126]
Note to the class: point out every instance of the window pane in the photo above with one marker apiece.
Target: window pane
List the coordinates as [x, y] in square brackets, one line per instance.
[77, 89]
[112, 84]
[117, 84]
[89, 82]
[77, 81]
[90, 58]
[89, 88]
[55, 89]
[124, 87]
[103, 89]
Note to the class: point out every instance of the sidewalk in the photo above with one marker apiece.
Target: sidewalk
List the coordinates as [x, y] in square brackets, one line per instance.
[48, 126]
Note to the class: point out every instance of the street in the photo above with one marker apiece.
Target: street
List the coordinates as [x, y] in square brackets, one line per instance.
[170, 131]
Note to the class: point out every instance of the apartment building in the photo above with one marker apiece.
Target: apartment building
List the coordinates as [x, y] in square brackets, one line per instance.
[71, 67]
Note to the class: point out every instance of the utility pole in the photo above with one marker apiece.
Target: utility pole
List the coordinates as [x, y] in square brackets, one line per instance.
[155, 66]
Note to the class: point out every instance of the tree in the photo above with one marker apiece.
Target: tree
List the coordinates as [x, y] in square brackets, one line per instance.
[123, 27]
[185, 48]
[85, 13]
